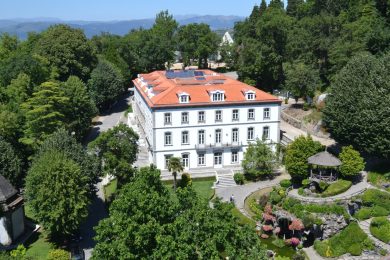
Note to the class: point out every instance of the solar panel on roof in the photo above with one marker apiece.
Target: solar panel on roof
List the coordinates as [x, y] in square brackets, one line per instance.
[198, 73]
[179, 74]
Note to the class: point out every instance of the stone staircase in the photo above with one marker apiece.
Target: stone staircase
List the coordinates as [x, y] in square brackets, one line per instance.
[225, 180]
[365, 226]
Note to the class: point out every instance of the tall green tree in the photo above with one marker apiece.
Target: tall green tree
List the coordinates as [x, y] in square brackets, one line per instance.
[259, 160]
[117, 149]
[162, 42]
[293, 7]
[301, 80]
[356, 111]
[106, 84]
[8, 44]
[68, 51]
[57, 193]
[175, 166]
[44, 113]
[197, 42]
[10, 163]
[66, 143]
[147, 222]
[297, 154]
[80, 109]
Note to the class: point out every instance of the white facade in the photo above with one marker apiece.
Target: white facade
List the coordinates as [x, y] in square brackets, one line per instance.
[224, 141]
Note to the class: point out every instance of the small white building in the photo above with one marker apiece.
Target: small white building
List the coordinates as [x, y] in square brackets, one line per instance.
[205, 118]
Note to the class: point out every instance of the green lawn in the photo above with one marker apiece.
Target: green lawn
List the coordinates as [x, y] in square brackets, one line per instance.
[378, 179]
[203, 187]
[110, 189]
[37, 246]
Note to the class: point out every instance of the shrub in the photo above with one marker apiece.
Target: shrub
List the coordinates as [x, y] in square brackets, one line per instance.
[380, 228]
[355, 249]
[376, 197]
[278, 243]
[254, 207]
[185, 180]
[285, 183]
[306, 183]
[58, 254]
[306, 107]
[239, 178]
[323, 185]
[352, 162]
[301, 192]
[363, 213]
[350, 240]
[337, 187]
[274, 197]
[263, 200]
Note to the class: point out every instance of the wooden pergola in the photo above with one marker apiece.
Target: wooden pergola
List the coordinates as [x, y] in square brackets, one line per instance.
[327, 165]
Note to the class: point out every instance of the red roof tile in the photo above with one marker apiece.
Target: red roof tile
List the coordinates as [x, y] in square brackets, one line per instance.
[163, 91]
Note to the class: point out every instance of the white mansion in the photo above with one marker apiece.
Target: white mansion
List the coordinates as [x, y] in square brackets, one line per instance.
[205, 118]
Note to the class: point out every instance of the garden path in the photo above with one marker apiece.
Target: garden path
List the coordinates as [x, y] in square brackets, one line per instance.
[365, 226]
[241, 192]
[312, 253]
[351, 192]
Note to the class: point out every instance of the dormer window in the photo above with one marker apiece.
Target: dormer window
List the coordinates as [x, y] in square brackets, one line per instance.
[217, 96]
[184, 97]
[250, 95]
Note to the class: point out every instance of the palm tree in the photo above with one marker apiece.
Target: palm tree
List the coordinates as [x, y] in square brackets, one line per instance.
[175, 166]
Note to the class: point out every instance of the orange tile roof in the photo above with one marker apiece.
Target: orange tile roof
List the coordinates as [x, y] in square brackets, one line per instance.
[159, 91]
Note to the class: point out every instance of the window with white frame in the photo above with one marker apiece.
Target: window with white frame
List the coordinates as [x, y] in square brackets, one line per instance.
[251, 133]
[184, 117]
[168, 138]
[251, 113]
[201, 137]
[218, 158]
[218, 115]
[266, 113]
[265, 132]
[167, 118]
[235, 135]
[185, 160]
[167, 157]
[250, 95]
[234, 157]
[201, 159]
[218, 96]
[184, 98]
[218, 136]
[201, 116]
[235, 115]
[184, 137]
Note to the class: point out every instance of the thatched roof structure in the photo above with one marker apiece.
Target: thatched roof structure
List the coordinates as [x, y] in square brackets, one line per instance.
[324, 159]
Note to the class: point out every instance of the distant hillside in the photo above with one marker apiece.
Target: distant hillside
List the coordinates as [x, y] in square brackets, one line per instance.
[21, 27]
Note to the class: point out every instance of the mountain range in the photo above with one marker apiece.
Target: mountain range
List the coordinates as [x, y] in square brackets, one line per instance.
[21, 27]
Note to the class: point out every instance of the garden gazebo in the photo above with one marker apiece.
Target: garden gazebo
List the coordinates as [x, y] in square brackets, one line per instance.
[326, 167]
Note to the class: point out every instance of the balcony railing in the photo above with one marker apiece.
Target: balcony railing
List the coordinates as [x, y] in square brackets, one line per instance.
[217, 145]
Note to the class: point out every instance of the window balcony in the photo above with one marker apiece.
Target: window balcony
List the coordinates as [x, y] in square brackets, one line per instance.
[218, 145]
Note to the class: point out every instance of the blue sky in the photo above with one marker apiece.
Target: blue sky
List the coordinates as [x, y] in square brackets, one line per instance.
[105, 10]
